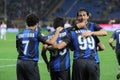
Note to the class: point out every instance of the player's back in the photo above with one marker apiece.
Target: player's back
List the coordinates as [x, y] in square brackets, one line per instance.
[27, 44]
[84, 47]
[117, 37]
[60, 59]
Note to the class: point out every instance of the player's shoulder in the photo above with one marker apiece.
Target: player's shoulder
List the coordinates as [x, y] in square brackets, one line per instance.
[92, 23]
[117, 30]
[50, 35]
[68, 29]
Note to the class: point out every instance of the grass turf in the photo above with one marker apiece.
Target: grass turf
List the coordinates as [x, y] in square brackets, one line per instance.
[8, 56]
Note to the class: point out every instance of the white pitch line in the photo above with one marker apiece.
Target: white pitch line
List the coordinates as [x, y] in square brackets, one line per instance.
[7, 59]
[8, 66]
[12, 65]
[15, 60]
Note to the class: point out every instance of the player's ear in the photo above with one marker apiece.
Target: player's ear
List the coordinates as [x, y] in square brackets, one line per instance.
[89, 15]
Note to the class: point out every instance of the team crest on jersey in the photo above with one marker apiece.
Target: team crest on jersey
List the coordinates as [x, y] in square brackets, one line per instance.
[62, 34]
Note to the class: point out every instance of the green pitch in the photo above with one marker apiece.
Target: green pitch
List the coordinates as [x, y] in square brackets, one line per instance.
[8, 56]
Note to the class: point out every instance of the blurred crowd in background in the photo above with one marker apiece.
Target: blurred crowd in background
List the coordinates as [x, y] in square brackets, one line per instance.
[102, 11]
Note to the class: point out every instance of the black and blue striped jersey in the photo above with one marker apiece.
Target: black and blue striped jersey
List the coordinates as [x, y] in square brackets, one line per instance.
[59, 59]
[83, 47]
[116, 36]
[27, 44]
[94, 27]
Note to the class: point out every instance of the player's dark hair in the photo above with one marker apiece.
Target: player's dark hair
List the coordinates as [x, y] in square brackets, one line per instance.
[58, 21]
[32, 19]
[83, 9]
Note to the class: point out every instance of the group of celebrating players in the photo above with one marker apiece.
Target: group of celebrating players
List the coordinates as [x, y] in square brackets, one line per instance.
[81, 39]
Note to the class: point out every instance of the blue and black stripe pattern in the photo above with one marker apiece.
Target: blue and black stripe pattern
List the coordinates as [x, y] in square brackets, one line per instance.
[60, 59]
[83, 47]
[27, 43]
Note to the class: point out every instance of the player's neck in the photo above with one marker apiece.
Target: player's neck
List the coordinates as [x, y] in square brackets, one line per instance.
[32, 27]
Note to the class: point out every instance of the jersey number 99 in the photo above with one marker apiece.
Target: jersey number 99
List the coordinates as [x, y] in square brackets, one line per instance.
[85, 43]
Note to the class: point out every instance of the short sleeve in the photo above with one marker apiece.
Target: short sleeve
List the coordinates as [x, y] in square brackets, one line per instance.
[67, 39]
[97, 27]
[96, 40]
[41, 37]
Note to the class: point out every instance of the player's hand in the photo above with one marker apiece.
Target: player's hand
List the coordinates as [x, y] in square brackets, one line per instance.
[59, 29]
[86, 34]
[45, 46]
[113, 47]
[50, 47]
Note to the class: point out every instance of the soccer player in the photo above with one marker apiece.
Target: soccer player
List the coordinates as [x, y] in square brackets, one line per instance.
[59, 63]
[93, 27]
[95, 30]
[85, 65]
[3, 28]
[27, 44]
[116, 36]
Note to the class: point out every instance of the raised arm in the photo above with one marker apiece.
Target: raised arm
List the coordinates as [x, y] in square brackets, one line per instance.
[96, 33]
[52, 40]
[61, 45]
[99, 33]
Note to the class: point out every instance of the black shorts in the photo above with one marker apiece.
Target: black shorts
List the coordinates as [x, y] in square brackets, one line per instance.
[27, 70]
[85, 69]
[60, 75]
[118, 56]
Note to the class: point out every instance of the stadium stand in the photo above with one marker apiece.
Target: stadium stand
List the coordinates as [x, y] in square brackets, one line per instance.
[97, 8]
[100, 9]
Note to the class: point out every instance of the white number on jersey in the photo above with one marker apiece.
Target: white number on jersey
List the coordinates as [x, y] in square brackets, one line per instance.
[84, 42]
[63, 51]
[26, 46]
